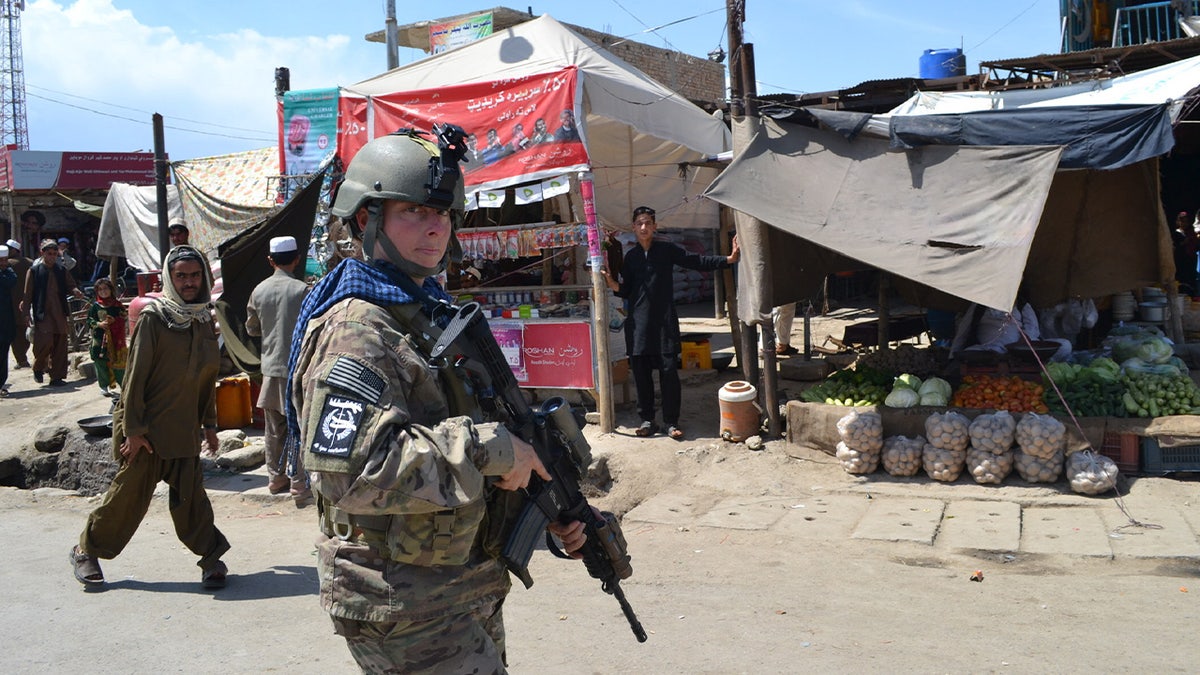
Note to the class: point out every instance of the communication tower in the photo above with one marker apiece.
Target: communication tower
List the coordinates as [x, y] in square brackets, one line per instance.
[13, 129]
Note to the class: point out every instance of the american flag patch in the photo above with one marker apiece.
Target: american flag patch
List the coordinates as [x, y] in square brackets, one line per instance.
[355, 378]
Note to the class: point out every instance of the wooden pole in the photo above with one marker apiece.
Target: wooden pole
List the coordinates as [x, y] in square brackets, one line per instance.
[604, 402]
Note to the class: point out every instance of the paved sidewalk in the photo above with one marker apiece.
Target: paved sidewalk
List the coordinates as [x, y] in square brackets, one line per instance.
[1062, 526]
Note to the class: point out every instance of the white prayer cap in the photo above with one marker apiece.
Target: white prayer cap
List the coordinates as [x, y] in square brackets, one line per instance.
[13, 243]
[3, 251]
[283, 244]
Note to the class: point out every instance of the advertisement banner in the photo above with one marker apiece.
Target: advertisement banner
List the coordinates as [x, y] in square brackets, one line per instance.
[520, 129]
[451, 34]
[310, 129]
[547, 354]
[50, 170]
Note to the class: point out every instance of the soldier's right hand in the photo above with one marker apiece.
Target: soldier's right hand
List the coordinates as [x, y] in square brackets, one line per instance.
[525, 462]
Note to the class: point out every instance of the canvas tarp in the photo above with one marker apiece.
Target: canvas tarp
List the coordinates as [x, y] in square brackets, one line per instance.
[959, 220]
[1172, 82]
[637, 132]
[129, 223]
[1094, 137]
[217, 197]
[244, 265]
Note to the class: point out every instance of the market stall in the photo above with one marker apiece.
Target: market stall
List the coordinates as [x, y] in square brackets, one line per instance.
[1054, 194]
[552, 119]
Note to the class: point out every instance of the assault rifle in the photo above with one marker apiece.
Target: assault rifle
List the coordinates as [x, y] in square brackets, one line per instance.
[467, 342]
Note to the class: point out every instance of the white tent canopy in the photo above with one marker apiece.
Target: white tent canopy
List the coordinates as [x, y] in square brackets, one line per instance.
[637, 132]
[1171, 82]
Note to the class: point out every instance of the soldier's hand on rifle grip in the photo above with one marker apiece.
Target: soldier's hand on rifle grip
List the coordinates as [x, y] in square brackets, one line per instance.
[525, 462]
[571, 535]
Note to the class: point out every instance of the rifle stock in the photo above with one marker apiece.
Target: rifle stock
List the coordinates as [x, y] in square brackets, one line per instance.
[554, 433]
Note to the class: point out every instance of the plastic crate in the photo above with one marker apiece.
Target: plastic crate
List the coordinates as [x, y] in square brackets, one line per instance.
[1157, 459]
[1124, 449]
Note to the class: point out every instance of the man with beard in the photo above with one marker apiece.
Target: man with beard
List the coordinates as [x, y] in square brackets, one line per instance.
[169, 393]
[46, 287]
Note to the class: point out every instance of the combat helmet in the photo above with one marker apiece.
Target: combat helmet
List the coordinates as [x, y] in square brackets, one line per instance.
[405, 166]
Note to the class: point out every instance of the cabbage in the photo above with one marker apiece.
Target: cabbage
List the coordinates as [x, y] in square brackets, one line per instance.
[902, 397]
[1061, 373]
[936, 398]
[1151, 349]
[908, 381]
[935, 385]
[1155, 350]
[1107, 364]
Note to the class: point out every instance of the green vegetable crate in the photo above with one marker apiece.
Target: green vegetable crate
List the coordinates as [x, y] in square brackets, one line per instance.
[1160, 460]
[1124, 449]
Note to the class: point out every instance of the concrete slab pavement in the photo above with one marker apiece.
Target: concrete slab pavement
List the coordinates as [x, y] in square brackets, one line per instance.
[1067, 531]
[915, 520]
[981, 526]
[1152, 532]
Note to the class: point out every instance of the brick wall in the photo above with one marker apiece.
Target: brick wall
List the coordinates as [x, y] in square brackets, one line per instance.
[696, 79]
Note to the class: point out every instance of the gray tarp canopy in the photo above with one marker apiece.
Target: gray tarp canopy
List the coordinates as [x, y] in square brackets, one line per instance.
[1095, 136]
[967, 221]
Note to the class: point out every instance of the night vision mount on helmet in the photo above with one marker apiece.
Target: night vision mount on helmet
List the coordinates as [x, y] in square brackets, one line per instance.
[405, 166]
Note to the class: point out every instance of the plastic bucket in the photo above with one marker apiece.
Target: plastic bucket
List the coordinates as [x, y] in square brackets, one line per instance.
[234, 408]
[740, 418]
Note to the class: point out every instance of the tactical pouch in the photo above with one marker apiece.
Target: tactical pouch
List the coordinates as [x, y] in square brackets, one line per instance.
[440, 538]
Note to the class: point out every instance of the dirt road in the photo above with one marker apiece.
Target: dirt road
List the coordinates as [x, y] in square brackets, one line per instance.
[744, 562]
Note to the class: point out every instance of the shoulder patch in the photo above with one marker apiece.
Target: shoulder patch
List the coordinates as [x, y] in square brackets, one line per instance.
[357, 379]
[339, 425]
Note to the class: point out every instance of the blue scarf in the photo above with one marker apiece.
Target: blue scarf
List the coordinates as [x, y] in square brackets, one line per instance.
[377, 284]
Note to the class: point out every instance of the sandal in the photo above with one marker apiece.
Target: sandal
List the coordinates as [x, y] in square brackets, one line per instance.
[278, 485]
[675, 432]
[647, 429]
[87, 568]
[214, 577]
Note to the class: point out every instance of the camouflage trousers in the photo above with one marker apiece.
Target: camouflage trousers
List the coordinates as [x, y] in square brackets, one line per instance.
[471, 642]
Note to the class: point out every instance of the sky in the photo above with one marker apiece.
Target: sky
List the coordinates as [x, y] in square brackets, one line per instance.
[96, 70]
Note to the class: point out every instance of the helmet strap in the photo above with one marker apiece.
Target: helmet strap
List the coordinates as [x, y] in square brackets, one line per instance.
[371, 240]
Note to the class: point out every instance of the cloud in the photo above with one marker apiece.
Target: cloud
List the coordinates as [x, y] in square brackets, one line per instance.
[89, 49]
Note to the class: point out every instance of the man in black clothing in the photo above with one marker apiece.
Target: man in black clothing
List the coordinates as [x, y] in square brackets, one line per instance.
[652, 326]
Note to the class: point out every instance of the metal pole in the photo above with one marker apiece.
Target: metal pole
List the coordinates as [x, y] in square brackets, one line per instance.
[393, 38]
[734, 16]
[604, 402]
[160, 184]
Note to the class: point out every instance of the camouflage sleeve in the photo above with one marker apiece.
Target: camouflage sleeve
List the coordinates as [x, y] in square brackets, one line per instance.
[375, 425]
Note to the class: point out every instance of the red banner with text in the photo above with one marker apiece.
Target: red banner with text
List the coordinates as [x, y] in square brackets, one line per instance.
[520, 128]
[547, 354]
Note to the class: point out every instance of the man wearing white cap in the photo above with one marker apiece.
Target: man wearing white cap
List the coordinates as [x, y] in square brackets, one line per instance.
[20, 265]
[271, 314]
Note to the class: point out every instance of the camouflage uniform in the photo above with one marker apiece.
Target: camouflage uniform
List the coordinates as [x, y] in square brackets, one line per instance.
[404, 498]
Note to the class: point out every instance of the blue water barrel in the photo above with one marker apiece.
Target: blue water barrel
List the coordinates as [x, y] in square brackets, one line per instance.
[939, 63]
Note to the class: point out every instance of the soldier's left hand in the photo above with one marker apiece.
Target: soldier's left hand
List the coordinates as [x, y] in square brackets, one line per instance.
[571, 535]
